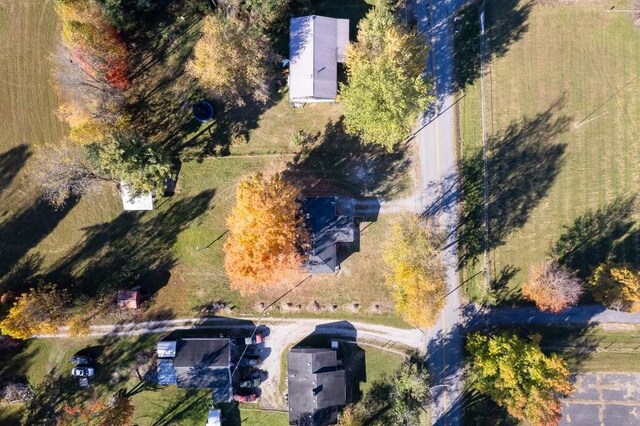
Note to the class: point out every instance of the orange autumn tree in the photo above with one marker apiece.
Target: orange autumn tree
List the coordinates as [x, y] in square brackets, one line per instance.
[267, 234]
[551, 287]
[42, 310]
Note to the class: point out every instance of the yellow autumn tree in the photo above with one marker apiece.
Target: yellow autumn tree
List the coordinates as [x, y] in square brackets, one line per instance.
[267, 234]
[231, 60]
[42, 310]
[416, 274]
[518, 376]
[617, 286]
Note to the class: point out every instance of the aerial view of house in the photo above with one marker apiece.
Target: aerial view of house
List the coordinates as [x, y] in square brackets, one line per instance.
[319, 212]
[316, 385]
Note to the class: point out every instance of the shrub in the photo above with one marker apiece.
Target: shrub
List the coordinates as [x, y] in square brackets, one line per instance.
[552, 287]
[617, 286]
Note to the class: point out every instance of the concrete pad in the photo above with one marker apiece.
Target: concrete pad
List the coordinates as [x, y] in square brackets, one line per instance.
[622, 415]
[580, 415]
[586, 387]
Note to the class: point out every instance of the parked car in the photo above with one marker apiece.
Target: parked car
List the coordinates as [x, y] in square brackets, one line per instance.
[250, 383]
[250, 361]
[256, 339]
[250, 397]
[81, 359]
[83, 371]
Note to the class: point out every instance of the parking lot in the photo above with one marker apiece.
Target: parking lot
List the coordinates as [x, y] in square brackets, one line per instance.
[604, 399]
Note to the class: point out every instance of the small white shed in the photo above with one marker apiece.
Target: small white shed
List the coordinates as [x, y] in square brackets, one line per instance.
[141, 202]
[317, 44]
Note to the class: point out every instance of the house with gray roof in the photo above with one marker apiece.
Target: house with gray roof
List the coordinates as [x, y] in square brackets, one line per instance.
[317, 386]
[317, 44]
[197, 363]
[330, 222]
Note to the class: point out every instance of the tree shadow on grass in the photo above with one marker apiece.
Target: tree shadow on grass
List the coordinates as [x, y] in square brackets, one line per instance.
[522, 165]
[10, 164]
[23, 231]
[501, 292]
[57, 389]
[598, 236]
[341, 163]
[135, 247]
[232, 126]
[505, 24]
[185, 407]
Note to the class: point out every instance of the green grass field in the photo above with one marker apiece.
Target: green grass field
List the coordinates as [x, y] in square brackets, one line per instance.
[562, 125]
[591, 349]
[176, 250]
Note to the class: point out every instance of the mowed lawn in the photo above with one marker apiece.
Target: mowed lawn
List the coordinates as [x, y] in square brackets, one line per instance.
[175, 252]
[562, 123]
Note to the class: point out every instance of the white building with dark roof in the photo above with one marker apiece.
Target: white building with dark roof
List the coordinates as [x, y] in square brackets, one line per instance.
[317, 44]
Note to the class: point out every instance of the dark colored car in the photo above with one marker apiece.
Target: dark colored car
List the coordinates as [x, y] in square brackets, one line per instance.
[256, 339]
[250, 361]
[249, 383]
[250, 397]
[83, 371]
[81, 359]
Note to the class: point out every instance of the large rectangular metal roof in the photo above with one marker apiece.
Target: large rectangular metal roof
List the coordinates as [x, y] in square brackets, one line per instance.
[317, 44]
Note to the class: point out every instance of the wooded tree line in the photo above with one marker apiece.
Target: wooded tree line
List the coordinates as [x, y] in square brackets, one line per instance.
[92, 72]
[91, 77]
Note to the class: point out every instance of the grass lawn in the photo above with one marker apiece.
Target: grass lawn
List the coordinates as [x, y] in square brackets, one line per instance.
[562, 127]
[175, 251]
[593, 349]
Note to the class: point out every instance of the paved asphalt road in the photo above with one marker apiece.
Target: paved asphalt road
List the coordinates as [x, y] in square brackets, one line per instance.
[596, 314]
[603, 399]
[438, 198]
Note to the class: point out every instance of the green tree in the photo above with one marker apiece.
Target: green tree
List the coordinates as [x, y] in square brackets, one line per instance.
[519, 377]
[127, 158]
[398, 399]
[386, 90]
[416, 274]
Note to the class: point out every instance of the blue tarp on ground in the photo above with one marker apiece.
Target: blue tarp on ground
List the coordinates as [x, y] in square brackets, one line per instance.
[166, 372]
